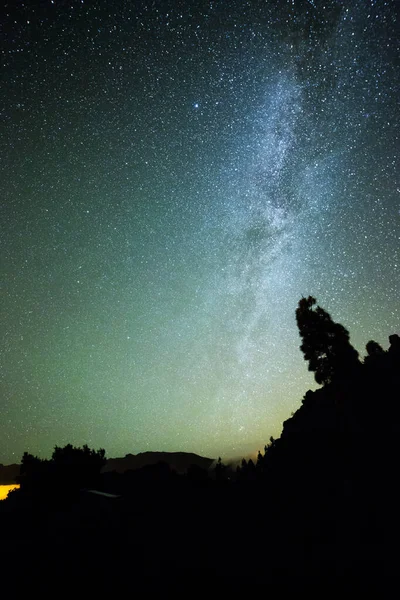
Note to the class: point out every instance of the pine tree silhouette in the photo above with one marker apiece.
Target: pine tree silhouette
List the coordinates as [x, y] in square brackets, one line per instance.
[326, 344]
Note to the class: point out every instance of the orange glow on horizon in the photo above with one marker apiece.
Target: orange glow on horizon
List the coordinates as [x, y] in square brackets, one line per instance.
[4, 489]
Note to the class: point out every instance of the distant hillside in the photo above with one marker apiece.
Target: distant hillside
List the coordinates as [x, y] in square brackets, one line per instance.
[179, 461]
[8, 473]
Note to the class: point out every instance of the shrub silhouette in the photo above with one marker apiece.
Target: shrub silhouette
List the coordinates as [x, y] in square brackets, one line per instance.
[69, 469]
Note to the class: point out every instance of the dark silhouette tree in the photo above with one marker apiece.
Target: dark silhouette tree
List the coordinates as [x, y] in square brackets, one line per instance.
[251, 470]
[220, 470]
[373, 348]
[30, 463]
[394, 349]
[81, 458]
[69, 470]
[34, 473]
[76, 467]
[325, 344]
[376, 356]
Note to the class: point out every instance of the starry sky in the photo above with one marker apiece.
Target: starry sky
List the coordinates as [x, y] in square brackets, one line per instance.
[174, 177]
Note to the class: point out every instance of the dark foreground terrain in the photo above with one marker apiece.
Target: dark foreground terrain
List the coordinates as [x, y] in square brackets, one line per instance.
[204, 532]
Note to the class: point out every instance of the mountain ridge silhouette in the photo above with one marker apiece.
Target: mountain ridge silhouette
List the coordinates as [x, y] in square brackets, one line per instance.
[177, 461]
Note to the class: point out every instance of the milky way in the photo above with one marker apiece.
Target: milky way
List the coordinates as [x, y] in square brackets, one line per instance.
[175, 176]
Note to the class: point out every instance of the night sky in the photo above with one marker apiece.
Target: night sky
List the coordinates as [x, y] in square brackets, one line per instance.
[174, 177]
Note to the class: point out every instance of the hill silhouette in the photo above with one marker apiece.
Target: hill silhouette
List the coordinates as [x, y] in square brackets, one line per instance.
[180, 462]
[177, 461]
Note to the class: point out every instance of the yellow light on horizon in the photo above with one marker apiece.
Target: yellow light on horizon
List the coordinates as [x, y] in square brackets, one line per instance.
[4, 489]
